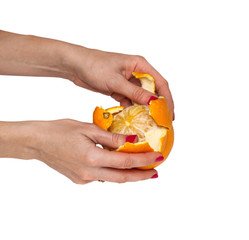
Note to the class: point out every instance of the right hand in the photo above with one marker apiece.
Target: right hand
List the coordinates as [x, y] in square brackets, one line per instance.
[69, 147]
[111, 74]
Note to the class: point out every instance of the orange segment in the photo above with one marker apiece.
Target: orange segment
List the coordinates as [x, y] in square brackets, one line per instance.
[137, 120]
[152, 124]
[132, 121]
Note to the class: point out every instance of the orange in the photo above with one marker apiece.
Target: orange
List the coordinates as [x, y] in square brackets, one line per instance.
[151, 123]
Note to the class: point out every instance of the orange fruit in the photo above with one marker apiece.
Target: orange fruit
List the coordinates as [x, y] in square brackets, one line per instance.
[151, 123]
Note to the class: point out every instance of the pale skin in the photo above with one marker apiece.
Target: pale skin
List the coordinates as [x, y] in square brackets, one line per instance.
[66, 145]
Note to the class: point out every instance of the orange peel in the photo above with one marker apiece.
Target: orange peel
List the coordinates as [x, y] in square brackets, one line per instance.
[152, 124]
[103, 117]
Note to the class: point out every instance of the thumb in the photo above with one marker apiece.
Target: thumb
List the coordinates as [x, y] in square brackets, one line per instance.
[135, 93]
[113, 140]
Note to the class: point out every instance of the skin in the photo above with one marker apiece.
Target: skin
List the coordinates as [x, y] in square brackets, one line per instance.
[66, 145]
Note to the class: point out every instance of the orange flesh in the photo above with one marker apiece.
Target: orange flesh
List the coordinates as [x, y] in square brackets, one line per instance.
[152, 124]
[137, 120]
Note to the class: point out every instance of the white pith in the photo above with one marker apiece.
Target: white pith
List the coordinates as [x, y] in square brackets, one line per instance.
[136, 120]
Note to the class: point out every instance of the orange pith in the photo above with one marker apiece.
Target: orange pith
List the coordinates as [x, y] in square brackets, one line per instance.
[137, 120]
[133, 120]
[152, 124]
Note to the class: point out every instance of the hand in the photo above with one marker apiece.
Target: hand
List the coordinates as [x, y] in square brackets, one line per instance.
[108, 73]
[69, 147]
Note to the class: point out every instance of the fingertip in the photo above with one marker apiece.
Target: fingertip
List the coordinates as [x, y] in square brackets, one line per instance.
[154, 176]
[131, 139]
[159, 159]
[151, 98]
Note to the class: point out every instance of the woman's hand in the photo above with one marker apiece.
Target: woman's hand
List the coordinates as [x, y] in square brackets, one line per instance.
[69, 147]
[66, 145]
[108, 73]
[104, 72]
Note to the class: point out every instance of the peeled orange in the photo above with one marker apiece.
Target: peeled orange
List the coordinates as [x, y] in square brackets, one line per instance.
[151, 123]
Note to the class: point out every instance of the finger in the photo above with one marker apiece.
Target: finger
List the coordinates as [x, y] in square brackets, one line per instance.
[125, 102]
[112, 159]
[122, 176]
[108, 139]
[122, 99]
[135, 81]
[134, 92]
[162, 86]
[68, 173]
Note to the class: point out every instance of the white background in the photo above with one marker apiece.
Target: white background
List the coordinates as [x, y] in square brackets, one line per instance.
[201, 47]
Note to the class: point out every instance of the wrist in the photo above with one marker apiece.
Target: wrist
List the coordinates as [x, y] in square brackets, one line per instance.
[17, 140]
[73, 58]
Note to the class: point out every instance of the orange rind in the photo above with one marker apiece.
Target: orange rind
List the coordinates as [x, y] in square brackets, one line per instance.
[151, 123]
[104, 117]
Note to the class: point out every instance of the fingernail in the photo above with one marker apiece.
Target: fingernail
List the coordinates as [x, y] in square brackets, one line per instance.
[155, 176]
[151, 98]
[131, 138]
[159, 159]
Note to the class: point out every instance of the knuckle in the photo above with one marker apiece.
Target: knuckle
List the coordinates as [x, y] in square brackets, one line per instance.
[70, 122]
[114, 83]
[78, 181]
[90, 158]
[128, 161]
[90, 128]
[122, 178]
[140, 58]
[115, 139]
[84, 175]
[91, 161]
[166, 83]
[138, 93]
